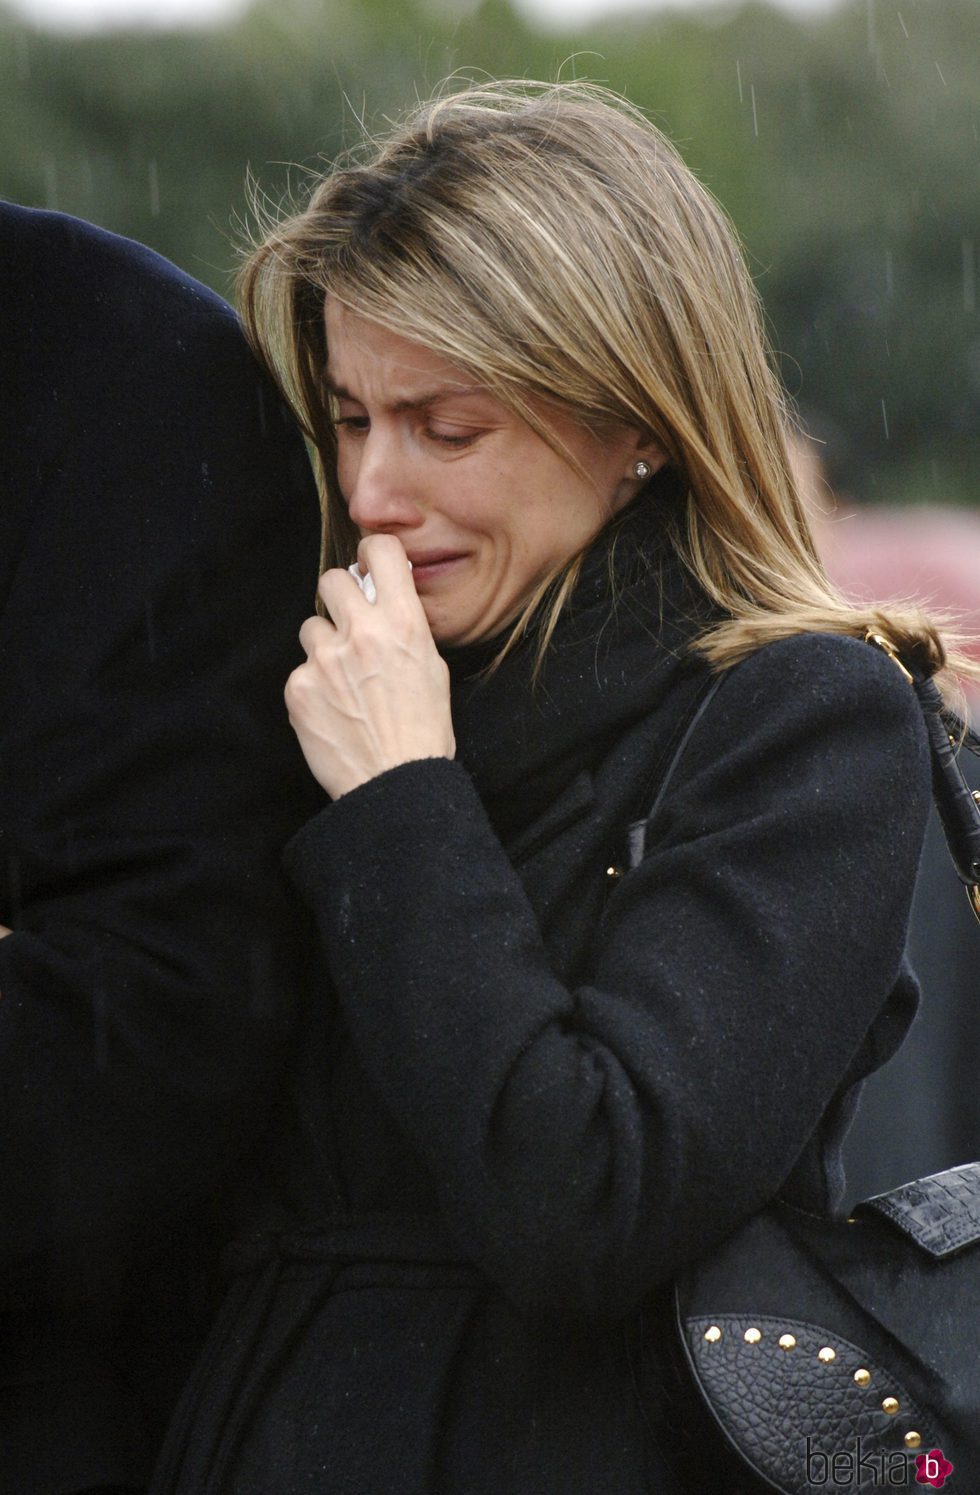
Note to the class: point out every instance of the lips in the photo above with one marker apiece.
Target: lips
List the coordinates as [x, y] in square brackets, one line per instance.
[429, 565]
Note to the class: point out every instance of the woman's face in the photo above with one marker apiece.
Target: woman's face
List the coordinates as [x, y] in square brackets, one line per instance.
[483, 506]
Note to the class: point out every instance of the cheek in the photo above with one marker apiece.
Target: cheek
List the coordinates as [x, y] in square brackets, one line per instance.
[551, 529]
[523, 550]
[345, 474]
[522, 515]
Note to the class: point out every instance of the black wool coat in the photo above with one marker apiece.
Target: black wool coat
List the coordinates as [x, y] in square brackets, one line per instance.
[158, 552]
[533, 1088]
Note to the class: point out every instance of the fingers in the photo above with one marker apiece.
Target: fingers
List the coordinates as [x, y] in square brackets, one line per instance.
[4, 931]
[373, 691]
[384, 556]
[341, 596]
[315, 632]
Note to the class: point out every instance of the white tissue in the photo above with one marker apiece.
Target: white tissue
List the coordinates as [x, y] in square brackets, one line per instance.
[366, 582]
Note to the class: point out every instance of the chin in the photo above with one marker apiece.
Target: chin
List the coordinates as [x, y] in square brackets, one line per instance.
[443, 630]
[453, 632]
[449, 637]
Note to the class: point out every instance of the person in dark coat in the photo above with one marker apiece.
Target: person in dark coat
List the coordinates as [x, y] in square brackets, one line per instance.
[542, 1073]
[158, 540]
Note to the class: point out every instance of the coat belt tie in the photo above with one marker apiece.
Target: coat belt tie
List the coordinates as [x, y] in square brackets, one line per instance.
[244, 1350]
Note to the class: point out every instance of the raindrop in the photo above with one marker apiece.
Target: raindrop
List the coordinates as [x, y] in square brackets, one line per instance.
[902, 24]
[884, 417]
[738, 74]
[889, 273]
[153, 178]
[23, 57]
[755, 117]
[806, 101]
[940, 72]
[151, 638]
[14, 885]
[100, 1031]
[969, 276]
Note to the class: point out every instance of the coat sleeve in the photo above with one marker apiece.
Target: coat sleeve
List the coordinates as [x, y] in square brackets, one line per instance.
[159, 550]
[587, 1142]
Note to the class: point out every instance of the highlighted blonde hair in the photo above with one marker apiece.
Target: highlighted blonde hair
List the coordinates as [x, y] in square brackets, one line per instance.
[550, 240]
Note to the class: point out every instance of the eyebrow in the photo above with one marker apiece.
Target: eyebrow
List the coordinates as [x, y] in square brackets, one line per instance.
[417, 402]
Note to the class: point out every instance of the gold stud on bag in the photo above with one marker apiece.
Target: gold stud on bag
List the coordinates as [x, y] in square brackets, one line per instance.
[828, 1385]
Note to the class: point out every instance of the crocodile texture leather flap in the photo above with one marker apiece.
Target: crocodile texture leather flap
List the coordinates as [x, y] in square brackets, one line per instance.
[940, 1213]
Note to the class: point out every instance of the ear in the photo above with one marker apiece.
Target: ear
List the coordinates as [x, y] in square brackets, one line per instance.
[644, 454]
[636, 453]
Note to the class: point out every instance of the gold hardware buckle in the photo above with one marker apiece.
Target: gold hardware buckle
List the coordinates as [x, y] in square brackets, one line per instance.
[887, 647]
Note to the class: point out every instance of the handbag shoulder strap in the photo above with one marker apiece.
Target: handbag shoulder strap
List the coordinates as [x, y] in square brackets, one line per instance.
[640, 829]
[957, 805]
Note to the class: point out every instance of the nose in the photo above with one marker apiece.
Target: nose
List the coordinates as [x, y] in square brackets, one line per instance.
[379, 491]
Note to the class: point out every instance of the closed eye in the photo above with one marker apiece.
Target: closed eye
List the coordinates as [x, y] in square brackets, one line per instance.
[453, 439]
[357, 423]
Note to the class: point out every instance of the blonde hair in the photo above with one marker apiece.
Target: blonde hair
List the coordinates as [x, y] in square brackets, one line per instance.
[550, 240]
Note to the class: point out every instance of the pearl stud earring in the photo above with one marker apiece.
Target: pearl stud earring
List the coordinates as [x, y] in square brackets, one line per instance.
[641, 470]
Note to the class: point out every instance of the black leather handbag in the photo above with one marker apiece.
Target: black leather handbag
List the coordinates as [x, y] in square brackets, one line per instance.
[844, 1354]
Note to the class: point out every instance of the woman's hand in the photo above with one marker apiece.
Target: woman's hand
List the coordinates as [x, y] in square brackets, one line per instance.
[4, 930]
[373, 692]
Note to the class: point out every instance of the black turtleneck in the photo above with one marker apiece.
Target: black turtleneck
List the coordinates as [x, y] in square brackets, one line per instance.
[619, 641]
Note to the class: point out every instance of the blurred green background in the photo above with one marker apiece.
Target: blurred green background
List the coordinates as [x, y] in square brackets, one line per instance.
[845, 147]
